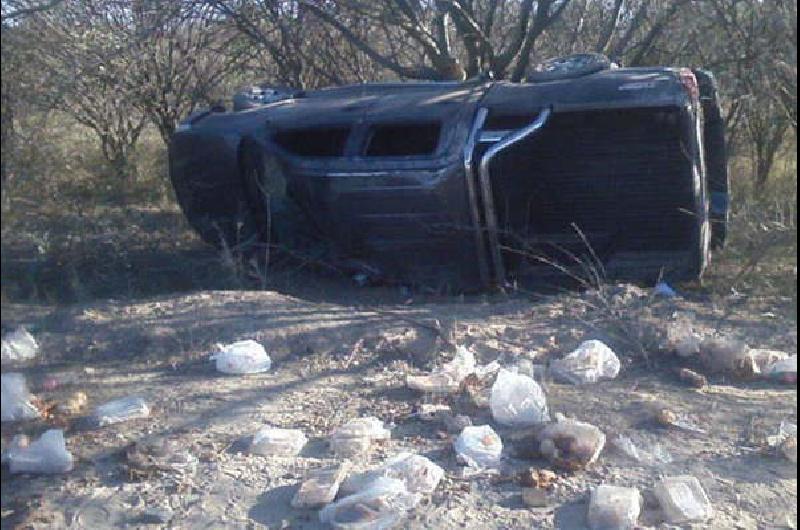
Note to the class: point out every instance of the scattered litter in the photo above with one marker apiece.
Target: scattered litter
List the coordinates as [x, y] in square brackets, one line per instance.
[15, 400]
[682, 499]
[571, 444]
[614, 508]
[48, 454]
[663, 289]
[419, 474]
[18, 345]
[74, 404]
[447, 378]
[657, 454]
[517, 400]
[272, 441]
[479, 446]
[159, 456]
[242, 357]
[321, 487]
[590, 363]
[682, 338]
[784, 370]
[670, 418]
[384, 504]
[356, 436]
[728, 355]
[124, 409]
[431, 412]
[693, 378]
[785, 440]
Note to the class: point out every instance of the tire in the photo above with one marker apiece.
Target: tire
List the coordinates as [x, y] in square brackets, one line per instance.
[569, 67]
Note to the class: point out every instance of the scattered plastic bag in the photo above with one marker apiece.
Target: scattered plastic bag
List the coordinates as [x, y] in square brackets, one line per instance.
[683, 499]
[657, 454]
[48, 454]
[785, 440]
[242, 357]
[272, 441]
[784, 370]
[18, 442]
[447, 378]
[590, 363]
[728, 355]
[517, 400]
[356, 436]
[321, 487]
[479, 446]
[571, 444]
[419, 474]
[663, 289]
[18, 345]
[383, 505]
[15, 401]
[614, 508]
[682, 338]
[124, 409]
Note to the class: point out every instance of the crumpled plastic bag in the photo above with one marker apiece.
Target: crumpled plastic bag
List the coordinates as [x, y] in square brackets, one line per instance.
[272, 441]
[242, 357]
[479, 446]
[356, 436]
[419, 474]
[614, 508]
[18, 345]
[518, 400]
[447, 378]
[683, 499]
[784, 370]
[571, 444]
[15, 400]
[382, 505]
[123, 409]
[48, 454]
[590, 363]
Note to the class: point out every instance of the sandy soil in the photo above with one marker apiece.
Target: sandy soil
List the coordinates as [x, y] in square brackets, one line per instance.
[343, 354]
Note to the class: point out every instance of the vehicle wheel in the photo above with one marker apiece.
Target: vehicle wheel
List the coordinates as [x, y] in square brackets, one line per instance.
[569, 67]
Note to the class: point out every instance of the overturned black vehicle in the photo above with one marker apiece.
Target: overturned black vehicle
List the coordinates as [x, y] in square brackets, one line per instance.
[476, 184]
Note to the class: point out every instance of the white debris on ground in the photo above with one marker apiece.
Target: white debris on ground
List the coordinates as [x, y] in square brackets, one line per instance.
[593, 361]
[392, 456]
[242, 357]
[122, 409]
[18, 345]
[272, 441]
[15, 399]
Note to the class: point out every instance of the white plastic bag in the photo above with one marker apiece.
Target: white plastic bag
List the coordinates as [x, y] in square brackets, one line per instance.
[48, 454]
[242, 357]
[272, 441]
[682, 338]
[785, 369]
[683, 499]
[15, 401]
[123, 409]
[479, 446]
[590, 363]
[356, 436]
[614, 508]
[447, 378]
[517, 400]
[384, 504]
[571, 444]
[418, 473]
[18, 345]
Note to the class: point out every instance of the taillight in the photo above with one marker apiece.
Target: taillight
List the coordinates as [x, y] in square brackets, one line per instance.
[689, 82]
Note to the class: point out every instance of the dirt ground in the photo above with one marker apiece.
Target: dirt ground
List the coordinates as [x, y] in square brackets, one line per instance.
[341, 352]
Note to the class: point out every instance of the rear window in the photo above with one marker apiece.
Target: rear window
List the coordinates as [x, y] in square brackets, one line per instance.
[407, 139]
